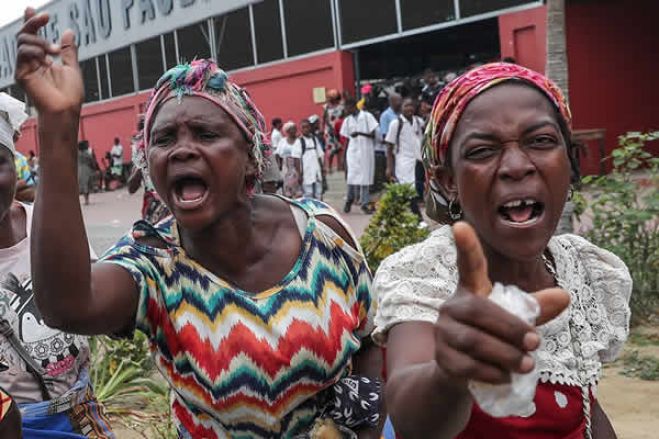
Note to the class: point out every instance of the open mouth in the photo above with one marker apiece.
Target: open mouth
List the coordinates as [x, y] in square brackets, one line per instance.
[521, 212]
[190, 191]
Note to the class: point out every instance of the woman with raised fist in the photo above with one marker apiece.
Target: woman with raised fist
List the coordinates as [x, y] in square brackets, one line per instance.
[257, 308]
[498, 144]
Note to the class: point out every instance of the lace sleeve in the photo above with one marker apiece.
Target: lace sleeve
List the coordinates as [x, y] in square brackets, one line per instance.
[412, 284]
[611, 283]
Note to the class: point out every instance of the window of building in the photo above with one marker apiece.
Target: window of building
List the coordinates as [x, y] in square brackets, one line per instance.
[149, 62]
[121, 72]
[103, 73]
[90, 80]
[420, 13]
[267, 26]
[170, 50]
[364, 19]
[234, 40]
[474, 7]
[308, 26]
[193, 42]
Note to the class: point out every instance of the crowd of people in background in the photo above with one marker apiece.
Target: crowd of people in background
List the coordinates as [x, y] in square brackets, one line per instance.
[374, 140]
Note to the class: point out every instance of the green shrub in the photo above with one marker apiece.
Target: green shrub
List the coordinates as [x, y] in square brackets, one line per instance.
[393, 226]
[644, 367]
[625, 216]
[126, 383]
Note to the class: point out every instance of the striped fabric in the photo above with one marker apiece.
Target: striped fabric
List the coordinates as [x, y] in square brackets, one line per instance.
[5, 404]
[246, 365]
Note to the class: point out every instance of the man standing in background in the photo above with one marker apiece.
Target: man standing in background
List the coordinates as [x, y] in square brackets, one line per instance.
[117, 155]
[404, 139]
[360, 127]
[388, 116]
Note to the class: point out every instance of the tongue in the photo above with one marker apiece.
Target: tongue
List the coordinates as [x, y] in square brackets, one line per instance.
[192, 190]
[520, 214]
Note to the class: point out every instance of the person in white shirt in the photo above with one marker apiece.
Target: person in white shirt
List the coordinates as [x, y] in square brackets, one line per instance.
[310, 161]
[276, 135]
[284, 152]
[117, 153]
[404, 139]
[272, 175]
[360, 128]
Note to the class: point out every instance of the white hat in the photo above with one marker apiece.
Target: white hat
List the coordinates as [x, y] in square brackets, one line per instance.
[12, 116]
[313, 118]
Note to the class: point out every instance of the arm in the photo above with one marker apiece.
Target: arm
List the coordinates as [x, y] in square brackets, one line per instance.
[390, 140]
[70, 295]
[391, 162]
[429, 365]
[602, 428]
[368, 360]
[370, 135]
[417, 390]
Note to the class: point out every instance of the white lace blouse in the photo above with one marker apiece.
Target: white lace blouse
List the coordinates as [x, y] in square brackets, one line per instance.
[413, 283]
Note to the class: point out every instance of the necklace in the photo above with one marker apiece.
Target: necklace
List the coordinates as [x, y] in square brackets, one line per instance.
[576, 345]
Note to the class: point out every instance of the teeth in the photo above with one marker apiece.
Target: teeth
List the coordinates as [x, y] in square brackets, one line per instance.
[518, 203]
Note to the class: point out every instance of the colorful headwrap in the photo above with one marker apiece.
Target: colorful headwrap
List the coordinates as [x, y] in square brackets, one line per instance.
[203, 78]
[454, 98]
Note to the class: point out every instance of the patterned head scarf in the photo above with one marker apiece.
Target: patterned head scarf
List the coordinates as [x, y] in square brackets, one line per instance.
[203, 78]
[454, 98]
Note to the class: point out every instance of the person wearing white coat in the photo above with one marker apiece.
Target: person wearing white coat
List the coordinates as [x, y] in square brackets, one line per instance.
[360, 128]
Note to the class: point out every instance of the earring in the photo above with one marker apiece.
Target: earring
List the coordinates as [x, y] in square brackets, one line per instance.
[453, 213]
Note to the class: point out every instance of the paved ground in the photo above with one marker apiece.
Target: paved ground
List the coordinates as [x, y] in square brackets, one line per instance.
[111, 214]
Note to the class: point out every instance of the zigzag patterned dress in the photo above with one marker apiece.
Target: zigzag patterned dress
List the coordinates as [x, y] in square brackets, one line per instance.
[245, 365]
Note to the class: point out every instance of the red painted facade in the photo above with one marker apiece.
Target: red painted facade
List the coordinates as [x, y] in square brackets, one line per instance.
[285, 90]
[523, 36]
[613, 72]
[281, 90]
[613, 68]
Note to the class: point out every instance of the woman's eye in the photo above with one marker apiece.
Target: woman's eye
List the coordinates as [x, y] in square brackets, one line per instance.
[161, 140]
[543, 141]
[208, 135]
[479, 152]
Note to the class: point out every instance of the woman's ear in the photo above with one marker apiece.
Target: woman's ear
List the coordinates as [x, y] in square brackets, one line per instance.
[250, 175]
[445, 182]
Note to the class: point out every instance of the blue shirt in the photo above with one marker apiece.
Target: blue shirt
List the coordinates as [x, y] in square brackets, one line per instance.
[388, 116]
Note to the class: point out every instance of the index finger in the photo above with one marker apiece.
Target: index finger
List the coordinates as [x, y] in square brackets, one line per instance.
[33, 22]
[472, 265]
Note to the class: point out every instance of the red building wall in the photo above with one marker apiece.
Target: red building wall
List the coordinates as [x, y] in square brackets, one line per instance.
[614, 67]
[99, 124]
[282, 90]
[286, 90]
[523, 36]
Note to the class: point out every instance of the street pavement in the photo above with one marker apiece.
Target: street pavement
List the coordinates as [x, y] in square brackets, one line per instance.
[111, 214]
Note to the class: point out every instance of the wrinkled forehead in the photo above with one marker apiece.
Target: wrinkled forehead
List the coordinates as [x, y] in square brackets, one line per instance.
[507, 102]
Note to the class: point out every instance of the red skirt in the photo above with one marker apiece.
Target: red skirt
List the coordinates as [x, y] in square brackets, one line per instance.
[558, 414]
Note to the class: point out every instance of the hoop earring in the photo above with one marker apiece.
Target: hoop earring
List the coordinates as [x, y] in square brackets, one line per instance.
[455, 215]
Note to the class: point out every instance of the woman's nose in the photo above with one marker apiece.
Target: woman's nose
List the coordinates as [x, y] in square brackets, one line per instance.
[515, 164]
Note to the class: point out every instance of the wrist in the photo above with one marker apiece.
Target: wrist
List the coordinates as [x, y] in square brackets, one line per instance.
[456, 386]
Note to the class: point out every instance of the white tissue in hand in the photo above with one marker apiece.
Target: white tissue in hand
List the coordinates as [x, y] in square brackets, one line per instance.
[514, 398]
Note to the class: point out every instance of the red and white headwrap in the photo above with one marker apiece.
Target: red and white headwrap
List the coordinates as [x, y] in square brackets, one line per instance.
[454, 98]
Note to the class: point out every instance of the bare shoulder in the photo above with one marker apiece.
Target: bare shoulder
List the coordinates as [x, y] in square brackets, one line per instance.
[338, 228]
